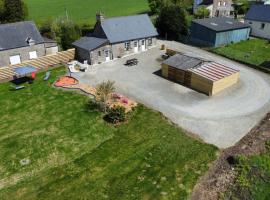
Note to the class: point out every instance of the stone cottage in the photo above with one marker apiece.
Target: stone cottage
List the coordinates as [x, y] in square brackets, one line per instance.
[22, 41]
[217, 8]
[116, 37]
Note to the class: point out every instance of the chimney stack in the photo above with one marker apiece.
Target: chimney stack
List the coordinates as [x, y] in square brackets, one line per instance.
[100, 17]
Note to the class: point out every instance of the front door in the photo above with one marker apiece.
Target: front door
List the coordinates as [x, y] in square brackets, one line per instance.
[135, 46]
[143, 45]
[107, 55]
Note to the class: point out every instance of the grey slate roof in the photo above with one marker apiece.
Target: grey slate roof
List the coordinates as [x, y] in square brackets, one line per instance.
[220, 24]
[14, 35]
[182, 62]
[259, 13]
[89, 43]
[121, 29]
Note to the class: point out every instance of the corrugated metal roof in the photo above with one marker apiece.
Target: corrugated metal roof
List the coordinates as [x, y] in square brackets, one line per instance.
[259, 13]
[213, 71]
[127, 28]
[89, 43]
[14, 35]
[182, 62]
[220, 24]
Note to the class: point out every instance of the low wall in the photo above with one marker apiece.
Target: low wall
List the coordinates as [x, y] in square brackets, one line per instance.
[41, 63]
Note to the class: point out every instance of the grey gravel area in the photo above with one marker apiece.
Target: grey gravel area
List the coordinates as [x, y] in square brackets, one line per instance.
[221, 120]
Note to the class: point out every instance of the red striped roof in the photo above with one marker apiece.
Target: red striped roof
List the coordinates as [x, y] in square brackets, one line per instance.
[213, 71]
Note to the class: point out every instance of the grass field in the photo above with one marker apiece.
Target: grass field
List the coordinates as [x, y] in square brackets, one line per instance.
[83, 11]
[74, 154]
[255, 52]
[253, 180]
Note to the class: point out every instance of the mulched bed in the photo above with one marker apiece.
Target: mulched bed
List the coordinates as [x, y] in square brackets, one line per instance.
[222, 174]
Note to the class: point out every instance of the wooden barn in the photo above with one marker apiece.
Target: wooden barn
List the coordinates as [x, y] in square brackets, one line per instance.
[206, 77]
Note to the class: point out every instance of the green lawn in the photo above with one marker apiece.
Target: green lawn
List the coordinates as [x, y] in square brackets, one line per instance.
[253, 180]
[75, 154]
[254, 52]
[83, 11]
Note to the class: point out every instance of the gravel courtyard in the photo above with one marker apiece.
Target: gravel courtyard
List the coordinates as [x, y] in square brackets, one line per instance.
[221, 120]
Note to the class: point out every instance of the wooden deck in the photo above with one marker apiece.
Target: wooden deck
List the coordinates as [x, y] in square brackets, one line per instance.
[42, 63]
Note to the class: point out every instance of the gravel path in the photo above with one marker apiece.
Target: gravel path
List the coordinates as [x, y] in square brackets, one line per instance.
[221, 120]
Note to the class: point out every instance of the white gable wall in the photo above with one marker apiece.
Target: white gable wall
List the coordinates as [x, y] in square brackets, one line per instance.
[256, 29]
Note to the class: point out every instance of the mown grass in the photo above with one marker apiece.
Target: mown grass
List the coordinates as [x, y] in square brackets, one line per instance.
[83, 11]
[254, 52]
[253, 179]
[75, 154]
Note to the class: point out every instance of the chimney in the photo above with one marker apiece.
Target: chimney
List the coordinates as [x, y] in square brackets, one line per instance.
[100, 17]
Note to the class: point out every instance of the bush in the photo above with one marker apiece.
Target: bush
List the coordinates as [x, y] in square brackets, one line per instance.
[116, 115]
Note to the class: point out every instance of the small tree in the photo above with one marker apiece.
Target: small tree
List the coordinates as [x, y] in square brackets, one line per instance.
[202, 12]
[104, 90]
[172, 22]
[240, 7]
[14, 10]
[65, 31]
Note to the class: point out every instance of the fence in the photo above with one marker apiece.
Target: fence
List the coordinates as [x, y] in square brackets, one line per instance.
[42, 63]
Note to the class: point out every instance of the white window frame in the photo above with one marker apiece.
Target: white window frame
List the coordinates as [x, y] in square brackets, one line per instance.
[18, 55]
[33, 55]
[150, 41]
[127, 46]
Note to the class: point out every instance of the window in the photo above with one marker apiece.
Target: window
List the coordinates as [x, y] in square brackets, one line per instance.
[135, 44]
[127, 46]
[262, 25]
[33, 54]
[143, 42]
[224, 3]
[150, 41]
[250, 22]
[107, 53]
[219, 3]
[16, 59]
[99, 53]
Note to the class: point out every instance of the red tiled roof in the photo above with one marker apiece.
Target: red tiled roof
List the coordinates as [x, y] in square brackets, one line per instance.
[213, 71]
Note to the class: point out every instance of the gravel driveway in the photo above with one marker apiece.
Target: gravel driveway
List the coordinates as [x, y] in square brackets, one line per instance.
[221, 120]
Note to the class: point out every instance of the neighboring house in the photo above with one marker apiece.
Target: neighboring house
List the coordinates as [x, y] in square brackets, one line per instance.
[258, 17]
[218, 31]
[19, 42]
[116, 37]
[217, 8]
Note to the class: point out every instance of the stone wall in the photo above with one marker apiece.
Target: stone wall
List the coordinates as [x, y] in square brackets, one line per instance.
[23, 52]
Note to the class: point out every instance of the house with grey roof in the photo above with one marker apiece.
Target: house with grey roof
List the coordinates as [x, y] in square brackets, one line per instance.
[116, 37]
[22, 41]
[217, 8]
[218, 31]
[258, 17]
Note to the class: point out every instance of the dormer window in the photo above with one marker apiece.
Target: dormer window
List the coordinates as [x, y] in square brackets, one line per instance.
[30, 41]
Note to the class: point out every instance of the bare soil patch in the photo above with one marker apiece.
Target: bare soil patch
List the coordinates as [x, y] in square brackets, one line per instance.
[222, 174]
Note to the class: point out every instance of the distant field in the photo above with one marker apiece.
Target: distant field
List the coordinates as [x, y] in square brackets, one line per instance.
[83, 11]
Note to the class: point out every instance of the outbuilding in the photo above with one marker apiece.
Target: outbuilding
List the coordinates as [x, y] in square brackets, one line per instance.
[218, 31]
[206, 77]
